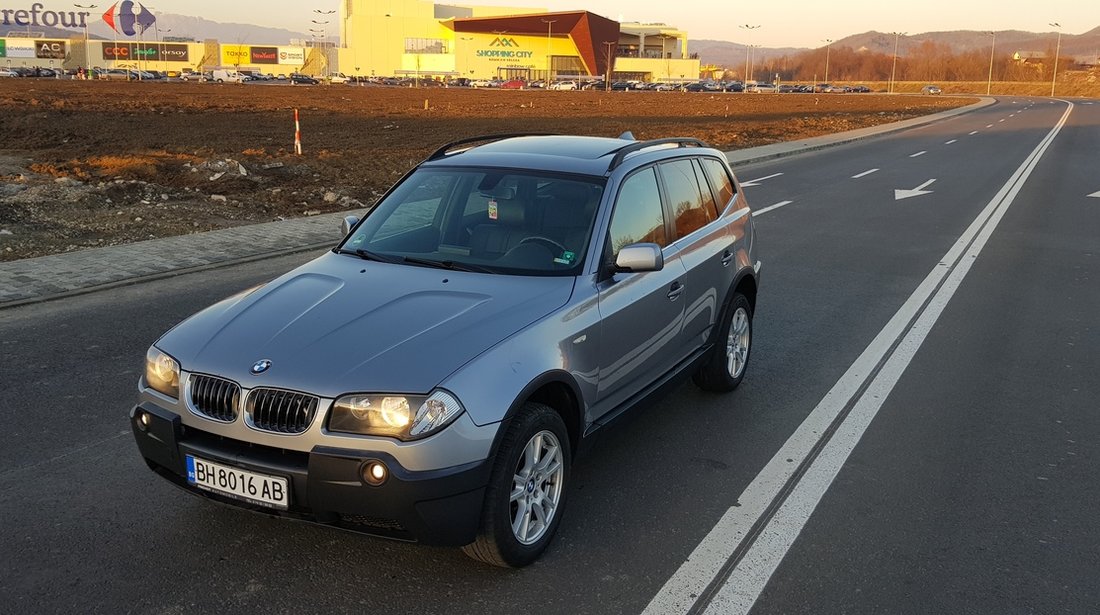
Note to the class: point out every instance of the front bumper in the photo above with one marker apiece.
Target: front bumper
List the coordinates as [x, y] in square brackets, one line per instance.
[439, 507]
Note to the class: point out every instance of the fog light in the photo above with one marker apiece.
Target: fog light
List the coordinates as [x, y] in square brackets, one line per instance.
[143, 421]
[375, 473]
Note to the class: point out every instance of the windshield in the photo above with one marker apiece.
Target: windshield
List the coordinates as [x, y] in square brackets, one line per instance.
[498, 221]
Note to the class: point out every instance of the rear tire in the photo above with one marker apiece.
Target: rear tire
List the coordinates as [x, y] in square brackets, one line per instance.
[526, 494]
[729, 359]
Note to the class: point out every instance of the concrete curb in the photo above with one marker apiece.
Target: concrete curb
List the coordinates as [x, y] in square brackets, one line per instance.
[201, 240]
[764, 153]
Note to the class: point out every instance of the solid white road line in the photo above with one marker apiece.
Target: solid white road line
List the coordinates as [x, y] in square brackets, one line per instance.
[711, 575]
[989, 126]
[973, 133]
[1000, 120]
[918, 154]
[756, 182]
[770, 208]
[951, 141]
[864, 174]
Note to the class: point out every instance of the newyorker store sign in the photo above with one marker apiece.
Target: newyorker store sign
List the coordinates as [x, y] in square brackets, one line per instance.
[37, 16]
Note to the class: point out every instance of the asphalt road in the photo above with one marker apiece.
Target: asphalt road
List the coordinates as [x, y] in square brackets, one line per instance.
[952, 334]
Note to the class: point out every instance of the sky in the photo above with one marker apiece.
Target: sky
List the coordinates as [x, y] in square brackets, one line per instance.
[783, 23]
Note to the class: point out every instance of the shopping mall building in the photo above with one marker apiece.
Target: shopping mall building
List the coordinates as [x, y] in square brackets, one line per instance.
[412, 37]
[377, 38]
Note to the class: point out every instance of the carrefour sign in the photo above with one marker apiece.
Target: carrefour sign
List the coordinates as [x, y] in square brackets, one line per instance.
[36, 16]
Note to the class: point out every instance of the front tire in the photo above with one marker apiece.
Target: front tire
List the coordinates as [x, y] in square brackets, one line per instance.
[526, 494]
[729, 359]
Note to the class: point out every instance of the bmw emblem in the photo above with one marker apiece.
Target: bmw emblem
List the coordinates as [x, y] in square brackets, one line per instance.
[261, 367]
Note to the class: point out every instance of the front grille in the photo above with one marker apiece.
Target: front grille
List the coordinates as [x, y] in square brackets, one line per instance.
[281, 411]
[377, 523]
[215, 398]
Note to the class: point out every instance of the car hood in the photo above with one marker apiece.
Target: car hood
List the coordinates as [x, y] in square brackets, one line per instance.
[342, 325]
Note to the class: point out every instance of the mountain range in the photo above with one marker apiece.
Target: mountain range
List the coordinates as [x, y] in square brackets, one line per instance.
[725, 53]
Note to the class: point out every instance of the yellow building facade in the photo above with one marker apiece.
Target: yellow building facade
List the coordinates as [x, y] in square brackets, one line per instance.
[419, 38]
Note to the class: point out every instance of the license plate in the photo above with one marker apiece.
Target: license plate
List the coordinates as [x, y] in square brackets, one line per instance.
[236, 483]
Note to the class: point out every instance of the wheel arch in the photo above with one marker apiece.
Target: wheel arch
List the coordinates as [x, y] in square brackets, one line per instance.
[558, 390]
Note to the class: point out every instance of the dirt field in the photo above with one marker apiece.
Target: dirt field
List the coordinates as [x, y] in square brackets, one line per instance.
[90, 164]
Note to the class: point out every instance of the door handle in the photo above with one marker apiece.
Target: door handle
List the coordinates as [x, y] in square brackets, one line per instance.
[727, 258]
[675, 291]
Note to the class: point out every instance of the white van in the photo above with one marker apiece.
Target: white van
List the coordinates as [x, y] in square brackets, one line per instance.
[228, 76]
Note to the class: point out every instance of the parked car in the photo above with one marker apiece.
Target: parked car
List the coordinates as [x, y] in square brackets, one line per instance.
[300, 79]
[931, 90]
[859, 89]
[563, 85]
[432, 376]
[339, 78]
[480, 83]
[513, 84]
[4, 72]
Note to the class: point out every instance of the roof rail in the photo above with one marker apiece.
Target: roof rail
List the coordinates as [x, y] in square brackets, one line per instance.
[627, 150]
[441, 152]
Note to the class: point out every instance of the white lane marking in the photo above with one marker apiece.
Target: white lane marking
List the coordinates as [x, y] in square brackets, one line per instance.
[747, 580]
[989, 126]
[918, 154]
[709, 558]
[973, 133]
[999, 121]
[864, 174]
[756, 182]
[951, 141]
[918, 191]
[770, 207]
[1095, 195]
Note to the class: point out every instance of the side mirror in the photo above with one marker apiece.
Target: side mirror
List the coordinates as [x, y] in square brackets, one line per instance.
[640, 258]
[348, 223]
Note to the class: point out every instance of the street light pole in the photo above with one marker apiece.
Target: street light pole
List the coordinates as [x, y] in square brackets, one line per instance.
[87, 53]
[894, 69]
[828, 48]
[610, 61]
[993, 46]
[549, 59]
[748, 52]
[1057, 51]
[324, 38]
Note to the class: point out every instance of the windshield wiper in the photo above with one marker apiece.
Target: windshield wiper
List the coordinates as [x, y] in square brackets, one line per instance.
[367, 255]
[449, 265]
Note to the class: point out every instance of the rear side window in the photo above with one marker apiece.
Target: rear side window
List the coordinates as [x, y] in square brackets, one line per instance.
[719, 180]
[638, 216]
[686, 197]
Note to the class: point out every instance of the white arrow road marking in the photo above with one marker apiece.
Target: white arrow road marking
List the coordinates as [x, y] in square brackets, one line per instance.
[918, 191]
[919, 154]
[1095, 195]
[756, 182]
[951, 141]
[864, 174]
[973, 133]
[770, 208]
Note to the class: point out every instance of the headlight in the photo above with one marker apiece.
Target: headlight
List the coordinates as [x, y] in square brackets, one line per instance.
[406, 417]
[162, 373]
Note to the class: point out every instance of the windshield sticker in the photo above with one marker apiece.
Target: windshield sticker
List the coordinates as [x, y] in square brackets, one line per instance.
[494, 213]
[566, 259]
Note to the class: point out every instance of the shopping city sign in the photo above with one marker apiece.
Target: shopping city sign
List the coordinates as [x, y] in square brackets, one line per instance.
[126, 20]
[37, 16]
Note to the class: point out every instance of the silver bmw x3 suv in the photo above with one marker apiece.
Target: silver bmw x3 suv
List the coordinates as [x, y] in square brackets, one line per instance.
[433, 377]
